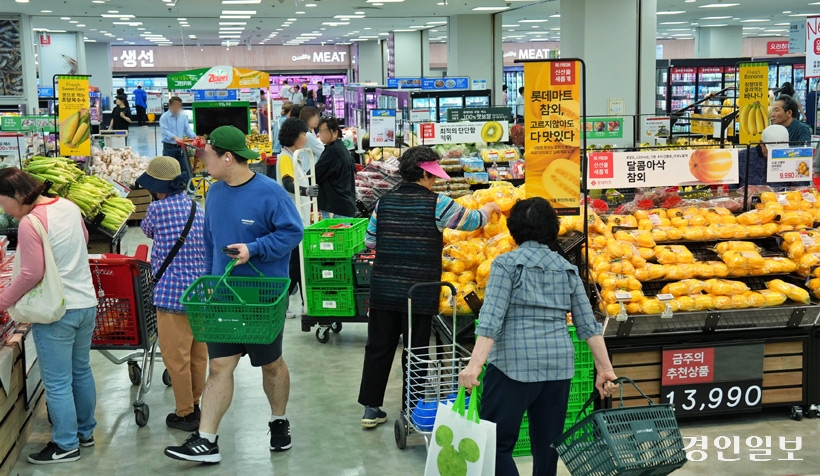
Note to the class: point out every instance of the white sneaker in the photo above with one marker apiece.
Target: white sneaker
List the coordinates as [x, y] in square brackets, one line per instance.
[290, 314]
[294, 314]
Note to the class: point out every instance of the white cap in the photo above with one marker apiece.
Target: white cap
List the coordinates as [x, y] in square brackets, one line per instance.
[775, 137]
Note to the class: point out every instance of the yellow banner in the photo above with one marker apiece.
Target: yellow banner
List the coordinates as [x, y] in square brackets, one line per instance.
[75, 119]
[552, 133]
[753, 101]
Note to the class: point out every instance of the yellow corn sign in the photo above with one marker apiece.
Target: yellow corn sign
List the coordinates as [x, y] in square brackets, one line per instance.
[753, 101]
[75, 117]
[552, 133]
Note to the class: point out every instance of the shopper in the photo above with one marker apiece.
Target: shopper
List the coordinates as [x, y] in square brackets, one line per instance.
[785, 113]
[63, 347]
[320, 96]
[277, 124]
[310, 116]
[175, 128]
[773, 137]
[290, 174]
[262, 113]
[335, 173]
[263, 231]
[297, 97]
[523, 336]
[787, 89]
[311, 99]
[504, 97]
[286, 92]
[141, 103]
[176, 223]
[519, 106]
[120, 115]
[406, 231]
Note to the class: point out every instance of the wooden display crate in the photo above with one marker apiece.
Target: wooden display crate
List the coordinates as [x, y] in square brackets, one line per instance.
[141, 198]
[782, 373]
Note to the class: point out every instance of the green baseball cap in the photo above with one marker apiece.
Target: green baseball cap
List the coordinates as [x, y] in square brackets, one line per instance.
[231, 139]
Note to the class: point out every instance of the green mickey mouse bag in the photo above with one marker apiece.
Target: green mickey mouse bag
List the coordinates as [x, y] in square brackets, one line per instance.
[461, 444]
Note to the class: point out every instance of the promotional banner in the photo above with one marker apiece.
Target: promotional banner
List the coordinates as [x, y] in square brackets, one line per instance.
[382, 128]
[218, 77]
[479, 114]
[413, 83]
[216, 95]
[432, 133]
[57, 55]
[661, 168]
[11, 58]
[11, 145]
[753, 101]
[75, 120]
[789, 165]
[444, 84]
[27, 124]
[813, 47]
[552, 133]
[779, 48]
[604, 127]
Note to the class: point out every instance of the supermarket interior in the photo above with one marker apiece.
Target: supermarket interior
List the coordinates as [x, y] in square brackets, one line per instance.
[676, 142]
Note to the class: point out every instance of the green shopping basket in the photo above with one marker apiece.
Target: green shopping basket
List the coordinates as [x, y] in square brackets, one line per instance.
[623, 441]
[237, 310]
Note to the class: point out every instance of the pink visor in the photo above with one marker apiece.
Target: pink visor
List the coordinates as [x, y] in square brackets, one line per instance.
[433, 168]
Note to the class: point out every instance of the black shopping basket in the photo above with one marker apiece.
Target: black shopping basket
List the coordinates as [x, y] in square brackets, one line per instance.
[623, 441]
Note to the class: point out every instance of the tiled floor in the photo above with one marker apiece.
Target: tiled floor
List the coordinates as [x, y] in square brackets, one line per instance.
[325, 422]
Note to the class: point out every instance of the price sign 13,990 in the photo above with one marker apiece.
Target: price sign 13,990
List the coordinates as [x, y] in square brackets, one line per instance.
[715, 397]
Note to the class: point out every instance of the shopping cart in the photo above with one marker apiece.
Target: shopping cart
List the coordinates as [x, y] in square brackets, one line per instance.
[201, 180]
[432, 374]
[127, 320]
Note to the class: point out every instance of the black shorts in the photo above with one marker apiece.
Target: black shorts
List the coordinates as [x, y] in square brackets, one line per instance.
[260, 354]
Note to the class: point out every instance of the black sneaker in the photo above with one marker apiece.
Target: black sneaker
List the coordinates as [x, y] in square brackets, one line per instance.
[53, 454]
[373, 417]
[280, 435]
[195, 449]
[87, 442]
[187, 423]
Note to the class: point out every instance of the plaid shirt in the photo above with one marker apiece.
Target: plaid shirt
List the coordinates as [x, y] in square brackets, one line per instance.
[164, 222]
[529, 293]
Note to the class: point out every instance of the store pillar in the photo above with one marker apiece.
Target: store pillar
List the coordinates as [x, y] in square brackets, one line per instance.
[100, 69]
[412, 51]
[719, 42]
[28, 100]
[474, 50]
[369, 62]
[616, 40]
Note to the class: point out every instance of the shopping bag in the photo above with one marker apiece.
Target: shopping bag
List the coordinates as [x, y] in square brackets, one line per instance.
[45, 303]
[461, 444]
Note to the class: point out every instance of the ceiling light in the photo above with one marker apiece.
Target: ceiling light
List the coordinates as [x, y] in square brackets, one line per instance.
[239, 12]
[90, 41]
[346, 17]
[97, 1]
[45, 11]
[789, 11]
[81, 26]
[805, 15]
[359, 13]
[226, 28]
[193, 37]
[119, 39]
[233, 23]
[336, 23]
[65, 18]
[300, 13]
[716, 18]
[533, 21]
[239, 2]
[490, 9]
[776, 30]
[113, 11]
[291, 19]
[444, 23]
[719, 5]
[230, 36]
[384, 34]
[74, 22]
[118, 15]
[127, 23]
[753, 20]
[557, 15]
[404, 31]
[310, 5]
[234, 17]
[21, 1]
[689, 1]
[712, 26]
[673, 23]
[671, 12]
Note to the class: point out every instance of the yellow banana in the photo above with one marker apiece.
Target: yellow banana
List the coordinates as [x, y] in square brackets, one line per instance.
[69, 127]
[744, 113]
[751, 125]
[760, 119]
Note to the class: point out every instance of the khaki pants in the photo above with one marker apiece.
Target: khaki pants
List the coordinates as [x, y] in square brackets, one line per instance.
[185, 359]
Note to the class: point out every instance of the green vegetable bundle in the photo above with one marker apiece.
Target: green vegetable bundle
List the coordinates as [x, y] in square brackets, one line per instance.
[117, 210]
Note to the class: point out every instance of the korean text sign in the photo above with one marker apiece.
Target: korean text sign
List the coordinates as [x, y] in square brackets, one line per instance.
[753, 101]
[431, 133]
[75, 119]
[604, 127]
[552, 133]
[661, 168]
[382, 127]
[789, 165]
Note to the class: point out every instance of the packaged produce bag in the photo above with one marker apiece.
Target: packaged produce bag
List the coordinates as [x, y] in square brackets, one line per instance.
[461, 444]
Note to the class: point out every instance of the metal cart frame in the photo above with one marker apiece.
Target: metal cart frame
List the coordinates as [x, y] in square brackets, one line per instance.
[430, 372]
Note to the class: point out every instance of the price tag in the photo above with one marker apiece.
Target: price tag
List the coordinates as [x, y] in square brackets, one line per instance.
[809, 197]
[329, 304]
[807, 240]
[781, 199]
[326, 246]
[665, 297]
[327, 274]
[715, 397]
[623, 296]
[655, 219]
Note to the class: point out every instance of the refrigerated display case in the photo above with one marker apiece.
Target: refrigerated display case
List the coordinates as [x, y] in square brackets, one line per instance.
[710, 80]
[438, 102]
[514, 79]
[359, 100]
[661, 87]
[682, 83]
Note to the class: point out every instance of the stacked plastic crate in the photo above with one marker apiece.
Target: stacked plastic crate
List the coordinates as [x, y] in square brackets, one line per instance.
[329, 247]
[580, 390]
[362, 267]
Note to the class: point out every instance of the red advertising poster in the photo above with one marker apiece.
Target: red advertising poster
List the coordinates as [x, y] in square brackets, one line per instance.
[688, 366]
[711, 69]
[779, 48]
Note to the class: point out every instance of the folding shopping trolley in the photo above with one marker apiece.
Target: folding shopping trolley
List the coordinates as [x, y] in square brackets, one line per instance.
[432, 374]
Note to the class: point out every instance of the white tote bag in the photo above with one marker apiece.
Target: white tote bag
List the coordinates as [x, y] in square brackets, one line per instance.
[461, 445]
[45, 303]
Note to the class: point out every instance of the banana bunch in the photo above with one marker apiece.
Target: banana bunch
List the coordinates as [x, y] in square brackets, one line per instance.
[117, 210]
[76, 128]
[753, 118]
[60, 171]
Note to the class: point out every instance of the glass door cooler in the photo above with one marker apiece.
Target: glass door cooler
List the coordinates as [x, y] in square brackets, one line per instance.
[710, 80]
[428, 104]
[514, 79]
[682, 85]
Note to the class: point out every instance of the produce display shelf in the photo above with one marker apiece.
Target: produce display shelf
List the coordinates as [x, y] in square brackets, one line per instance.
[114, 236]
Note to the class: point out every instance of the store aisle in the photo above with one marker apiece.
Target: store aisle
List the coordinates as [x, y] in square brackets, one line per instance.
[146, 141]
[327, 438]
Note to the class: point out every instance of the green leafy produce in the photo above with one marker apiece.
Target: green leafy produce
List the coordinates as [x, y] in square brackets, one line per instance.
[117, 210]
[60, 171]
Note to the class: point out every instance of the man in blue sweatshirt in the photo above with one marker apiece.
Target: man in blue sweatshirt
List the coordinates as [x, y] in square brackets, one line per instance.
[252, 214]
[141, 103]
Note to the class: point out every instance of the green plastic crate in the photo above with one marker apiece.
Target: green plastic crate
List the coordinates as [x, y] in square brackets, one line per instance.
[327, 272]
[522, 446]
[362, 302]
[323, 241]
[333, 302]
